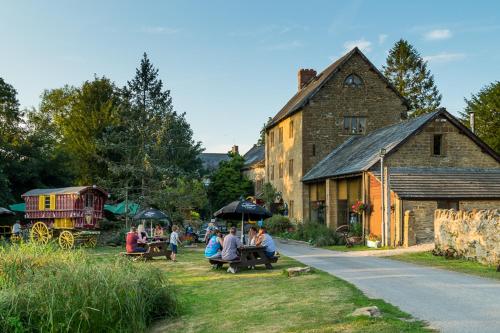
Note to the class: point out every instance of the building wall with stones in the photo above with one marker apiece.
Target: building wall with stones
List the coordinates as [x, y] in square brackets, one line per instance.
[478, 204]
[290, 149]
[458, 150]
[256, 173]
[469, 234]
[423, 211]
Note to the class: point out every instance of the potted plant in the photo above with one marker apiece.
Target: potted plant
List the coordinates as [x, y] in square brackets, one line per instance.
[373, 241]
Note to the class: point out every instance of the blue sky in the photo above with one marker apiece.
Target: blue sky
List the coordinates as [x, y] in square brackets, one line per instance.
[232, 64]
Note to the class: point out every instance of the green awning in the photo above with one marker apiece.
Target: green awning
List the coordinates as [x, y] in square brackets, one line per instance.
[18, 207]
[119, 208]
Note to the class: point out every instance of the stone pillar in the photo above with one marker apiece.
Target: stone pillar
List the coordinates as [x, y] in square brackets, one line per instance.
[305, 203]
[409, 232]
[331, 203]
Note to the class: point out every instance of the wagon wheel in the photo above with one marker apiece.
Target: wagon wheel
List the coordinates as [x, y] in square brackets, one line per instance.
[90, 242]
[40, 233]
[66, 240]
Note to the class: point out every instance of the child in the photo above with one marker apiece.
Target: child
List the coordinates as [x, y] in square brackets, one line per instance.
[174, 241]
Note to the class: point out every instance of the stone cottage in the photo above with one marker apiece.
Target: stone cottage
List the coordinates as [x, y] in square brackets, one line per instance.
[350, 98]
[418, 165]
[254, 167]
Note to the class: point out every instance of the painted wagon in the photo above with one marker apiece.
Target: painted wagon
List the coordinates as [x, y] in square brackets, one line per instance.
[70, 214]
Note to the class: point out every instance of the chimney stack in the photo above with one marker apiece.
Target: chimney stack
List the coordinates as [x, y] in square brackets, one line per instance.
[234, 150]
[304, 76]
[472, 122]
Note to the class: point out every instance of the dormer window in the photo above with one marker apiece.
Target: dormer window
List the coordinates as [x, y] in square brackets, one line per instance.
[353, 81]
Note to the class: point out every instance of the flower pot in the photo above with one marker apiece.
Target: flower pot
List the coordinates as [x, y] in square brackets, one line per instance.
[373, 244]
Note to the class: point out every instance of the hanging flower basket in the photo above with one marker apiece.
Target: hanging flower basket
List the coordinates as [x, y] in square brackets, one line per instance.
[359, 207]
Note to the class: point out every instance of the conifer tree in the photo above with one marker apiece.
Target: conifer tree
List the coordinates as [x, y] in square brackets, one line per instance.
[409, 74]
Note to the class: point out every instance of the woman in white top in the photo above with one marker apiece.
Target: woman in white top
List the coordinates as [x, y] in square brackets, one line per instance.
[252, 236]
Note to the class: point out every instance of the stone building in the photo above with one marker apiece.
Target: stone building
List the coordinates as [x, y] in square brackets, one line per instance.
[429, 162]
[254, 168]
[350, 98]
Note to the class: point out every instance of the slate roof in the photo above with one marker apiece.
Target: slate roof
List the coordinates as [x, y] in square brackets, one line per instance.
[63, 190]
[444, 183]
[254, 156]
[303, 96]
[210, 161]
[359, 153]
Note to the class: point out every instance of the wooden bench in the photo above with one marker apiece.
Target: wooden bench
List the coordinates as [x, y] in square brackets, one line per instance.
[250, 256]
[156, 249]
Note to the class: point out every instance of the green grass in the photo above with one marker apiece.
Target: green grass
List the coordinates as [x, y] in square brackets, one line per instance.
[457, 265]
[268, 301]
[343, 248]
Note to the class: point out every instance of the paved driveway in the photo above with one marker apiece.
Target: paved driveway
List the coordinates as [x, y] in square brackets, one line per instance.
[448, 301]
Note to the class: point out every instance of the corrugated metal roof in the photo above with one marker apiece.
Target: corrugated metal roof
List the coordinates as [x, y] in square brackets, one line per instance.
[306, 93]
[63, 190]
[358, 153]
[444, 183]
[254, 155]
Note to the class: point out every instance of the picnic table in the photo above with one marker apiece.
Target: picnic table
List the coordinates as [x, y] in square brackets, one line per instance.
[153, 249]
[249, 256]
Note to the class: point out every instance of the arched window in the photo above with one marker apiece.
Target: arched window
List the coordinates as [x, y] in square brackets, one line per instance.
[353, 81]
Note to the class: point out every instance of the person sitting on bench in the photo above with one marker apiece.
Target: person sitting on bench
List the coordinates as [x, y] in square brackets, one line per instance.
[131, 242]
[214, 246]
[230, 246]
[264, 239]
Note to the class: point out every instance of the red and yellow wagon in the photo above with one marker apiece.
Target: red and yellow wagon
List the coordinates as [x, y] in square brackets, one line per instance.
[70, 214]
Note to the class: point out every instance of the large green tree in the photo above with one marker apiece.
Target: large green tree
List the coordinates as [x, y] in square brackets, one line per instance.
[80, 115]
[152, 144]
[228, 183]
[408, 72]
[486, 108]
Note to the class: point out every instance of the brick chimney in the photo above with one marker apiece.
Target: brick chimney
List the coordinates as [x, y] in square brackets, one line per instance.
[234, 150]
[304, 76]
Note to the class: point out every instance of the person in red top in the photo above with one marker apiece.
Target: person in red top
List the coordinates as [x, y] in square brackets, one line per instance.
[131, 242]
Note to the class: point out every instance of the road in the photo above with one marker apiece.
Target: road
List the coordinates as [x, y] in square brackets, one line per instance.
[448, 301]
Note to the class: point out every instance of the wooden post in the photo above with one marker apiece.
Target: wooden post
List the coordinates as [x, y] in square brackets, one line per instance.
[387, 201]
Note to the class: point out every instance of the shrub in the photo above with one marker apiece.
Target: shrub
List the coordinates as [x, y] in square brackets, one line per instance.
[278, 224]
[44, 289]
[315, 233]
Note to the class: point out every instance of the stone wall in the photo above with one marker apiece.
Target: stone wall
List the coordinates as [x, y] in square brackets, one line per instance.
[423, 211]
[470, 234]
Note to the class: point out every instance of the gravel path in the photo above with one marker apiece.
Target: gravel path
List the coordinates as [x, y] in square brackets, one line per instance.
[448, 301]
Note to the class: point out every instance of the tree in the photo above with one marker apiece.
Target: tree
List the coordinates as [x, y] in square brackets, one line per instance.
[152, 144]
[262, 134]
[409, 74]
[228, 182]
[486, 108]
[269, 195]
[80, 116]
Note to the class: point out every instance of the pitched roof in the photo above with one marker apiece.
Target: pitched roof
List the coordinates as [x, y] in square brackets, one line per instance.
[211, 161]
[359, 153]
[254, 156]
[419, 183]
[303, 96]
[62, 190]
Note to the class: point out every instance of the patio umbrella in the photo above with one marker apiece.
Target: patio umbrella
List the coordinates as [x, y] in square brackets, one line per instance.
[151, 214]
[6, 212]
[241, 208]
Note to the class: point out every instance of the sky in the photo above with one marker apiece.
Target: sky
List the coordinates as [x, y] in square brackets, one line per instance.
[232, 64]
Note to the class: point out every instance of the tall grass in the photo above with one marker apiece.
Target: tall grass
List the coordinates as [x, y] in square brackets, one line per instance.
[44, 289]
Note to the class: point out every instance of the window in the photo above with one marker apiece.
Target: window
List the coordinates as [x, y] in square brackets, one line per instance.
[271, 138]
[354, 125]
[314, 150]
[280, 170]
[280, 134]
[89, 200]
[290, 208]
[437, 145]
[272, 172]
[447, 204]
[46, 204]
[290, 168]
[290, 129]
[353, 81]
[259, 183]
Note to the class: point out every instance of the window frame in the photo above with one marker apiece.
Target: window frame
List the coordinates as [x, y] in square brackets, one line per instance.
[441, 145]
[271, 138]
[290, 167]
[290, 129]
[89, 197]
[280, 134]
[356, 121]
[353, 84]
[46, 202]
[280, 170]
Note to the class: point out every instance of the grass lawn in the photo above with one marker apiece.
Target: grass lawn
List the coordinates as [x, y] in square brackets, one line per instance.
[458, 265]
[343, 248]
[267, 301]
